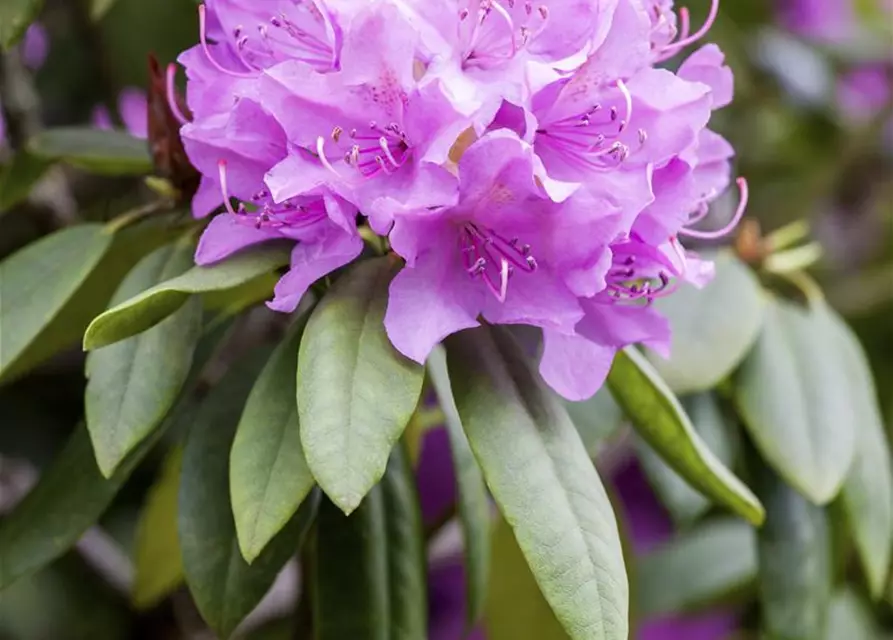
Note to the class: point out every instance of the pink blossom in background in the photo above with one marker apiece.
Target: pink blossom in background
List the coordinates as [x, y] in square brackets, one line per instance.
[133, 110]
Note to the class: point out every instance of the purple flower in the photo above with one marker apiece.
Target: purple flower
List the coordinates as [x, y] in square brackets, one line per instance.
[133, 109]
[35, 46]
[526, 159]
[863, 92]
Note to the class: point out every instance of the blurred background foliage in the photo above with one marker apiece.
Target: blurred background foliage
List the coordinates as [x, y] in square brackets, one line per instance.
[804, 156]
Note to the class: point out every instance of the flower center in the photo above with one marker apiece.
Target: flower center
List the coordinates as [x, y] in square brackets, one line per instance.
[492, 258]
[305, 33]
[639, 273]
[371, 150]
[495, 33]
[295, 213]
[591, 139]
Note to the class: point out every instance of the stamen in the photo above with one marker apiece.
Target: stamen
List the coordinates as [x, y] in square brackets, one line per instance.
[320, 144]
[712, 235]
[172, 95]
[203, 38]
[700, 33]
[628, 102]
[224, 187]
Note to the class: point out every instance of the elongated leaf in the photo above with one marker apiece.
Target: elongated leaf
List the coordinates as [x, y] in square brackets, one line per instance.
[793, 394]
[663, 424]
[18, 178]
[473, 501]
[74, 272]
[697, 568]
[355, 392]
[15, 17]
[850, 618]
[134, 383]
[103, 152]
[159, 569]
[512, 585]
[350, 574]
[225, 587]
[713, 328]
[795, 562]
[147, 309]
[868, 489]
[543, 481]
[268, 475]
[407, 570]
[37, 282]
[684, 503]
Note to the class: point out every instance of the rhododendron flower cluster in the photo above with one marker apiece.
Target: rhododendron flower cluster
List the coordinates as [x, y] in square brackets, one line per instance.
[528, 160]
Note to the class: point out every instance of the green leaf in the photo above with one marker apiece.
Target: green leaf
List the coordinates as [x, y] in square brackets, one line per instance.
[596, 419]
[867, 493]
[713, 328]
[75, 271]
[355, 392]
[407, 568]
[268, 475]
[158, 567]
[134, 383]
[19, 177]
[15, 18]
[113, 153]
[793, 395]
[38, 280]
[350, 572]
[224, 587]
[697, 568]
[512, 585]
[153, 305]
[662, 422]
[684, 503]
[543, 481]
[794, 549]
[473, 500]
[850, 618]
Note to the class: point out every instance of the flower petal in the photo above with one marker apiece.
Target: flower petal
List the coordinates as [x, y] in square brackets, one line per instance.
[225, 235]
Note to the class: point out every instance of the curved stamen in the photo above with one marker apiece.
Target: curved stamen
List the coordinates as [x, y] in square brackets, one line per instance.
[713, 235]
[628, 102]
[172, 95]
[700, 33]
[320, 151]
[203, 37]
[684, 23]
[224, 187]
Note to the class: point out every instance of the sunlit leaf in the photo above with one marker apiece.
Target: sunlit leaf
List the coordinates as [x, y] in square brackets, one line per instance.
[355, 392]
[661, 421]
[543, 481]
[515, 606]
[158, 568]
